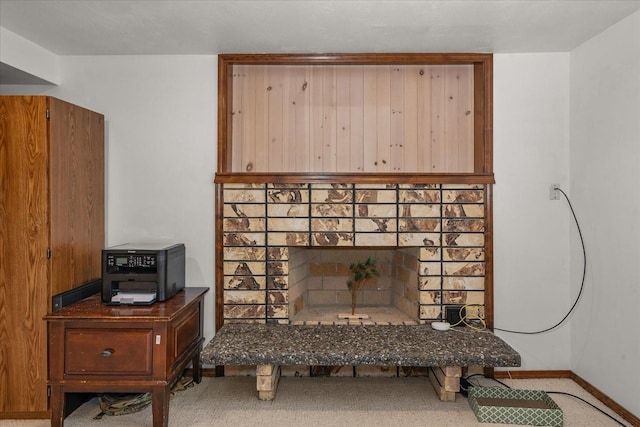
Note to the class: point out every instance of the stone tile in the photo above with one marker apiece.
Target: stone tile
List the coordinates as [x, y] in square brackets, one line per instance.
[375, 196]
[288, 239]
[430, 297]
[463, 225]
[463, 211]
[333, 221]
[462, 196]
[375, 186]
[278, 297]
[244, 282]
[242, 185]
[376, 211]
[332, 224]
[382, 225]
[420, 186]
[244, 224]
[244, 268]
[430, 312]
[463, 186]
[419, 210]
[279, 282]
[419, 225]
[277, 311]
[332, 239]
[253, 253]
[430, 253]
[418, 196]
[278, 253]
[236, 311]
[463, 254]
[418, 239]
[277, 268]
[243, 210]
[338, 194]
[463, 283]
[329, 186]
[244, 239]
[244, 196]
[243, 297]
[288, 224]
[288, 210]
[463, 239]
[375, 239]
[430, 282]
[463, 268]
[331, 210]
[288, 195]
[463, 297]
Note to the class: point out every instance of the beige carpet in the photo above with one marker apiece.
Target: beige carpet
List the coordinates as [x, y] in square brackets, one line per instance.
[326, 402]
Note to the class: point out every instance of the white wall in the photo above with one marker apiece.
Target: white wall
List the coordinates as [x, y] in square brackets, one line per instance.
[531, 232]
[605, 182]
[161, 127]
[29, 57]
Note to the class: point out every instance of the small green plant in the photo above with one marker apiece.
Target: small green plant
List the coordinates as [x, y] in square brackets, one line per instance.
[359, 273]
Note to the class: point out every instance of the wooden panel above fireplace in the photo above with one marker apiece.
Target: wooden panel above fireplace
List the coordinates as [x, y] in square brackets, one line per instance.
[355, 113]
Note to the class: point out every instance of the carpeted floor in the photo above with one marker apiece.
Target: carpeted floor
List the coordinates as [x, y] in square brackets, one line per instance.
[326, 402]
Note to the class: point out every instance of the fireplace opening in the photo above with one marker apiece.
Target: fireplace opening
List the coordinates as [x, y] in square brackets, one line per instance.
[318, 290]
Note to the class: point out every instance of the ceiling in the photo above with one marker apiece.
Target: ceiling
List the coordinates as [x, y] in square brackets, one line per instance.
[145, 27]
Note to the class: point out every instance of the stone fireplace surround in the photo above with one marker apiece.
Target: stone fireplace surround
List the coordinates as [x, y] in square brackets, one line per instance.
[263, 224]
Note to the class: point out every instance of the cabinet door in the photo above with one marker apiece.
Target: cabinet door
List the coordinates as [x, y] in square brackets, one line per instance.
[76, 194]
[24, 297]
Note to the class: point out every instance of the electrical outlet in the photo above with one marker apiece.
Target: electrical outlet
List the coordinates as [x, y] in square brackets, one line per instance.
[554, 193]
[452, 313]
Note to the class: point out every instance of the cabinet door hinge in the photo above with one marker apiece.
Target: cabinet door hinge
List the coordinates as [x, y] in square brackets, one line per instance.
[48, 114]
[48, 253]
[49, 391]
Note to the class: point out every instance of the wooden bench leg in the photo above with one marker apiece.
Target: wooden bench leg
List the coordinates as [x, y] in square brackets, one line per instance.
[267, 377]
[446, 381]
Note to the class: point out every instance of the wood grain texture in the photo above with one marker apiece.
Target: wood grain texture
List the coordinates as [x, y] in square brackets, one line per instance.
[369, 105]
[51, 196]
[76, 195]
[24, 269]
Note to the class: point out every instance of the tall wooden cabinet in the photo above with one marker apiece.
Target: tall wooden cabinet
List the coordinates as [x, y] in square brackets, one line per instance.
[51, 232]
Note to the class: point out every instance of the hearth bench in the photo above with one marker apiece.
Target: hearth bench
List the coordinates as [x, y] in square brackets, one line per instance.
[445, 353]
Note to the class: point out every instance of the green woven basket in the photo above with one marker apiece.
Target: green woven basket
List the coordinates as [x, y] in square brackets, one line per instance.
[509, 406]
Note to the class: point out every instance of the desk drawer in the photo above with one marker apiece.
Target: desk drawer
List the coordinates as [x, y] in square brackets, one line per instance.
[108, 351]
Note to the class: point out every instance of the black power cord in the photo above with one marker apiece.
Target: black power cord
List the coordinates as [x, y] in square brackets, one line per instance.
[584, 274]
[548, 392]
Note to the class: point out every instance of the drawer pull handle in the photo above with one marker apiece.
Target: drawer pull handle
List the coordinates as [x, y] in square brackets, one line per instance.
[107, 352]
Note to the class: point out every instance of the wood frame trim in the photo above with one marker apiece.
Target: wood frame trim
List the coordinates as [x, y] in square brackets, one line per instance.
[483, 144]
[355, 178]
[483, 91]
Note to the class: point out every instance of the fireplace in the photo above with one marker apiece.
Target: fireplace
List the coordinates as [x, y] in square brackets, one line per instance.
[286, 247]
[318, 290]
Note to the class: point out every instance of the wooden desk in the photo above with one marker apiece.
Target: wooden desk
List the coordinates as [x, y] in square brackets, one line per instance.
[94, 347]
